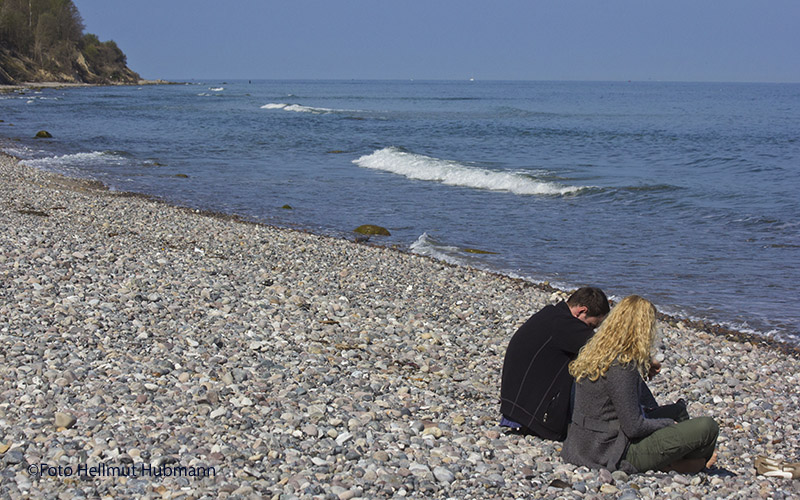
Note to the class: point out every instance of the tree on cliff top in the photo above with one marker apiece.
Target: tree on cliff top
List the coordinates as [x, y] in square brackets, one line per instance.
[43, 40]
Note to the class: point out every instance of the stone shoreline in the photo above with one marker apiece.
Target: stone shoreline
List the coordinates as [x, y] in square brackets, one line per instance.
[136, 334]
[60, 85]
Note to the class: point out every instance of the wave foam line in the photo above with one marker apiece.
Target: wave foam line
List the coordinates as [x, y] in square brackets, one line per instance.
[426, 168]
[76, 159]
[429, 247]
[297, 108]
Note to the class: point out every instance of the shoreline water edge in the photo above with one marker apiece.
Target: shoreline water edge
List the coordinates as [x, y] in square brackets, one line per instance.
[296, 365]
[59, 85]
[670, 236]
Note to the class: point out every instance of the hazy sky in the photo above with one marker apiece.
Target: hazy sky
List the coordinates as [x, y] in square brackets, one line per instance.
[675, 40]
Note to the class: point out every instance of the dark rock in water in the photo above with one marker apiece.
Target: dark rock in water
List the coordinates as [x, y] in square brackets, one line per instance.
[43, 134]
[335, 152]
[182, 176]
[475, 250]
[370, 229]
[287, 207]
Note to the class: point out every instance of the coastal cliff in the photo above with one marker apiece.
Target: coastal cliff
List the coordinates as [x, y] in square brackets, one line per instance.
[43, 41]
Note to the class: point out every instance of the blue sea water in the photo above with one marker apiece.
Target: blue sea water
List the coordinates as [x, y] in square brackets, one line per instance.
[685, 193]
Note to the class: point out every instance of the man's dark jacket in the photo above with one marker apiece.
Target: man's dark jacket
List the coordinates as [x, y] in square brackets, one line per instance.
[536, 385]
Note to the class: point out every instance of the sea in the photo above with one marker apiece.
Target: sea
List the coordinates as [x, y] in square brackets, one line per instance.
[684, 193]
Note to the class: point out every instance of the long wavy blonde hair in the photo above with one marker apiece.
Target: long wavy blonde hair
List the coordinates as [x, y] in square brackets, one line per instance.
[625, 337]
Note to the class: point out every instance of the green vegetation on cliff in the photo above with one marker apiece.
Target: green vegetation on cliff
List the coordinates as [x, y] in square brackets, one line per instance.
[43, 41]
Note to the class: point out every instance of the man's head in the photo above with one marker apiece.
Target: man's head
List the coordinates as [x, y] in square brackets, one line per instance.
[589, 305]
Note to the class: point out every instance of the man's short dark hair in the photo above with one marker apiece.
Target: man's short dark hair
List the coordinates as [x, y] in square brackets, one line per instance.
[592, 298]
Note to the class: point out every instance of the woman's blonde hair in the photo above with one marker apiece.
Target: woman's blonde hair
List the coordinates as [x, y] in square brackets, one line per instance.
[625, 337]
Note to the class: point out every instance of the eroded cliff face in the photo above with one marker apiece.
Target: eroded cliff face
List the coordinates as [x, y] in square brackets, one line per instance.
[16, 69]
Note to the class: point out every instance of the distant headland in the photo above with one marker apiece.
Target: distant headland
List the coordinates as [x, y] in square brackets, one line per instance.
[43, 41]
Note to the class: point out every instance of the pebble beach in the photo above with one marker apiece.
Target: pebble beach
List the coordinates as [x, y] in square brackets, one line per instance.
[152, 351]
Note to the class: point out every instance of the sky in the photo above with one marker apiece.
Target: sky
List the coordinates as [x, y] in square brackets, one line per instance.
[594, 40]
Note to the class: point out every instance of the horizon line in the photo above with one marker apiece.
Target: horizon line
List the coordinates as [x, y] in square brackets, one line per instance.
[468, 80]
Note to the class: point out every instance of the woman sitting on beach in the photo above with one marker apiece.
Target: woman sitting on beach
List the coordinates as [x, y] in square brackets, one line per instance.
[610, 426]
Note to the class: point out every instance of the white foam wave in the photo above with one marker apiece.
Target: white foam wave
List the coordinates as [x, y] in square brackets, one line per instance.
[216, 89]
[62, 162]
[21, 152]
[421, 167]
[35, 98]
[429, 247]
[297, 108]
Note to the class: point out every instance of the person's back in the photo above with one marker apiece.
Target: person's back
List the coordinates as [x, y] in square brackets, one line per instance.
[536, 385]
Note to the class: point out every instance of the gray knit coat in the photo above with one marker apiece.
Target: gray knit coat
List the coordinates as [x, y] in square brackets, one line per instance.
[608, 415]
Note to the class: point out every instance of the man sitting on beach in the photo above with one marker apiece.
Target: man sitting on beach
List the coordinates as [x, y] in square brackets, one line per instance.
[536, 388]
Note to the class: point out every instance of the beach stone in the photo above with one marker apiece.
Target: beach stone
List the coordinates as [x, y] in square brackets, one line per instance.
[420, 470]
[13, 457]
[43, 134]
[343, 438]
[242, 490]
[434, 431]
[347, 495]
[580, 486]
[629, 495]
[619, 476]
[64, 420]
[681, 479]
[608, 489]
[443, 475]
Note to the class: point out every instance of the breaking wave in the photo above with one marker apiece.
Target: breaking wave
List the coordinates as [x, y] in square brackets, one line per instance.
[426, 168]
[297, 108]
[71, 164]
[430, 247]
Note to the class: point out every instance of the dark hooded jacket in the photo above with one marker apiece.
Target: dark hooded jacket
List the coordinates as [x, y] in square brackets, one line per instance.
[536, 385]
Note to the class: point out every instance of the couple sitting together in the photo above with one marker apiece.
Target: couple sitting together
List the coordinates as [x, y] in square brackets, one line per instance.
[562, 380]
